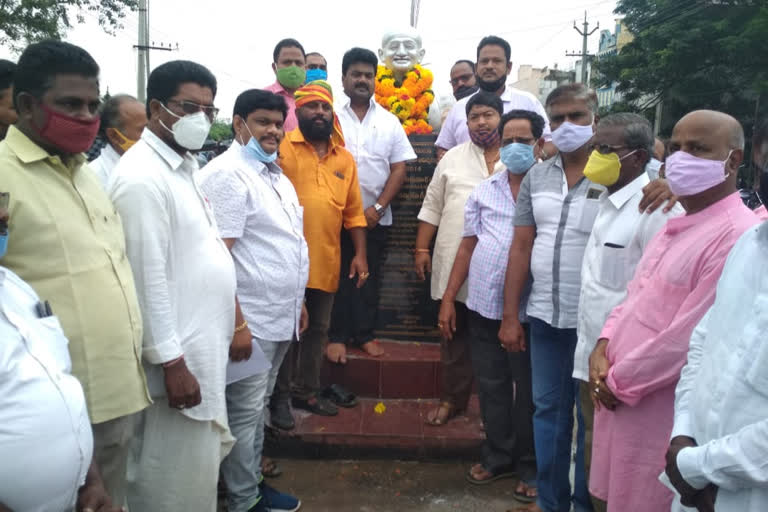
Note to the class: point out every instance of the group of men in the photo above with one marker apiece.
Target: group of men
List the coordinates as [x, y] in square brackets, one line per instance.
[151, 310]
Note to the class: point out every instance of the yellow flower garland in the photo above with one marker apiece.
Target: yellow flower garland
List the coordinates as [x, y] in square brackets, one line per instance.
[410, 100]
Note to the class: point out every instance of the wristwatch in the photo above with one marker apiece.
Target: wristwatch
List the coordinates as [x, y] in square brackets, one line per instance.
[379, 209]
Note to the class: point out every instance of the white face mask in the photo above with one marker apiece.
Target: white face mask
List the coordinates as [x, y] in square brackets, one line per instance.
[189, 131]
[569, 137]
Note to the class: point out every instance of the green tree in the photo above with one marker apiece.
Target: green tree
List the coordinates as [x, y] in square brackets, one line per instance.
[692, 54]
[221, 130]
[26, 21]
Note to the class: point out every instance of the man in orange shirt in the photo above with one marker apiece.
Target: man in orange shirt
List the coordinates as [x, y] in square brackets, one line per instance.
[325, 177]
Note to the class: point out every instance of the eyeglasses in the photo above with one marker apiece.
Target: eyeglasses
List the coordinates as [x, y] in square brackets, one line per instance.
[604, 149]
[190, 107]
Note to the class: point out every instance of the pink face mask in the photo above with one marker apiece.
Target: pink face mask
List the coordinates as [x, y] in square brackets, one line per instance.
[689, 175]
[70, 134]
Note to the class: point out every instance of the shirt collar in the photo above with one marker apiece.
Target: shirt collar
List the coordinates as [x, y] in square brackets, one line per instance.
[263, 168]
[348, 105]
[172, 158]
[625, 193]
[506, 96]
[683, 222]
[109, 154]
[28, 151]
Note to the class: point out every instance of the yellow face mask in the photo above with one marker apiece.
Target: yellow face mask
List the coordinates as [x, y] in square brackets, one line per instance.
[127, 143]
[604, 169]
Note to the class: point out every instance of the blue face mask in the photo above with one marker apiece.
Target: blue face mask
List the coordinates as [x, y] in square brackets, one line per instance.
[316, 74]
[517, 157]
[254, 148]
[3, 243]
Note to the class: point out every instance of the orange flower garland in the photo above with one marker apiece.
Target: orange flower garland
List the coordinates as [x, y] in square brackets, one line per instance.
[410, 100]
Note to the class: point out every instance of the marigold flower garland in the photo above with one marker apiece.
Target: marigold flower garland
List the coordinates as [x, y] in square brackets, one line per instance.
[410, 100]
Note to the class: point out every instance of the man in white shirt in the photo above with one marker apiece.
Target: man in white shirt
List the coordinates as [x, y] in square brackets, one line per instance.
[380, 147]
[494, 63]
[123, 118]
[718, 456]
[41, 405]
[621, 147]
[186, 285]
[261, 222]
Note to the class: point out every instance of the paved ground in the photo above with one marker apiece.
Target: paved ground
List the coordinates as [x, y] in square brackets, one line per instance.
[389, 486]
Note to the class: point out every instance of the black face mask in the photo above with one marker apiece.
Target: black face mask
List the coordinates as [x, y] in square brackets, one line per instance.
[464, 91]
[315, 132]
[494, 86]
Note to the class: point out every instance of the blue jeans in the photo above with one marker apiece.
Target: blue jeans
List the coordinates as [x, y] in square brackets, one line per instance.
[246, 400]
[554, 396]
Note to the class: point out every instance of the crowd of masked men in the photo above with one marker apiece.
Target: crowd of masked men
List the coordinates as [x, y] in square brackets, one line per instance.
[157, 316]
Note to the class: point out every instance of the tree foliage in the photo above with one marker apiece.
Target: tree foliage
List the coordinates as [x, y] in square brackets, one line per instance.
[26, 21]
[692, 54]
[220, 130]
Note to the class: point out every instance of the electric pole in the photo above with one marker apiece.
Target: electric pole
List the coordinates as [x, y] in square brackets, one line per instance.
[143, 47]
[584, 54]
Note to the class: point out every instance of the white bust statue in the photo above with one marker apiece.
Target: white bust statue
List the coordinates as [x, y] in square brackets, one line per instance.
[400, 51]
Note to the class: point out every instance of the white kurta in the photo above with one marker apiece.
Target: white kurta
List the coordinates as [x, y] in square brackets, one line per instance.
[185, 281]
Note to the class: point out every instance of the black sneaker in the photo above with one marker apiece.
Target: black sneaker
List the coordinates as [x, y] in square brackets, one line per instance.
[316, 405]
[281, 417]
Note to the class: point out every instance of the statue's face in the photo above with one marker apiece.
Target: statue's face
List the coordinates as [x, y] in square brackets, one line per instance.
[401, 52]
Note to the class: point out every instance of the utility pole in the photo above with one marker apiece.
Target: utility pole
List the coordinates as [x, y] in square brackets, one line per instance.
[584, 54]
[415, 4]
[143, 47]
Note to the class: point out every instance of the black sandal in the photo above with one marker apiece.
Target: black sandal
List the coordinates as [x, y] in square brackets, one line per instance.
[339, 396]
[316, 405]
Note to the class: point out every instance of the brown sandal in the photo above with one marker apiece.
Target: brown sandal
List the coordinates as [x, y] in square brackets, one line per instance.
[444, 412]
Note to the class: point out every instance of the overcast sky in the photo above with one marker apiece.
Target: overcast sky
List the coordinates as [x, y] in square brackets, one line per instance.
[235, 38]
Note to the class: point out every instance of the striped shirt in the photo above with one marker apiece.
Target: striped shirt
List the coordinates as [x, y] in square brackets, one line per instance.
[489, 215]
[563, 220]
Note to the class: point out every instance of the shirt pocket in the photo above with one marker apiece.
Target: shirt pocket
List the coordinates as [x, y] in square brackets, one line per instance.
[613, 272]
[54, 343]
[586, 219]
[336, 187]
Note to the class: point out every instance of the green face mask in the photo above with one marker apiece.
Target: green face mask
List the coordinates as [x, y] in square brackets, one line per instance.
[291, 77]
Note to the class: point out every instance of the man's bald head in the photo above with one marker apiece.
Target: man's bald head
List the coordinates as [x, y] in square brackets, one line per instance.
[720, 125]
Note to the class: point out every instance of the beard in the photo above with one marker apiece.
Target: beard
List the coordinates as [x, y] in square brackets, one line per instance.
[313, 131]
[464, 91]
[492, 86]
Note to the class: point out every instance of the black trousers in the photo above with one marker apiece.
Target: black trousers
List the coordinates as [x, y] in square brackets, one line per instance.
[506, 401]
[353, 319]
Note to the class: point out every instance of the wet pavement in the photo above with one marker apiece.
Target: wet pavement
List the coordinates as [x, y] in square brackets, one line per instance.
[389, 486]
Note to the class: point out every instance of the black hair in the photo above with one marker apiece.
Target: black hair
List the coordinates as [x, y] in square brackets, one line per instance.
[465, 61]
[577, 91]
[254, 99]
[41, 62]
[110, 112]
[7, 70]
[287, 43]
[488, 99]
[356, 55]
[496, 41]
[311, 54]
[537, 122]
[165, 80]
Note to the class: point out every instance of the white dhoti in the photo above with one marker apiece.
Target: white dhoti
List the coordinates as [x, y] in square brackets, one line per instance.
[175, 460]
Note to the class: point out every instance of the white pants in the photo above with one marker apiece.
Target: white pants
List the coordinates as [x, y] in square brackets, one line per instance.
[174, 463]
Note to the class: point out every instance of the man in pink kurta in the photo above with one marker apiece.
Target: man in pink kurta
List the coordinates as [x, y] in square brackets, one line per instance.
[644, 343]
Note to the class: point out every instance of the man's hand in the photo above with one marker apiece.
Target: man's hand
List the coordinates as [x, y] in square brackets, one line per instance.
[512, 335]
[241, 346]
[359, 266]
[92, 496]
[602, 394]
[704, 500]
[181, 386]
[422, 262]
[303, 319]
[446, 320]
[687, 492]
[655, 194]
[598, 371]
[371, 217]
